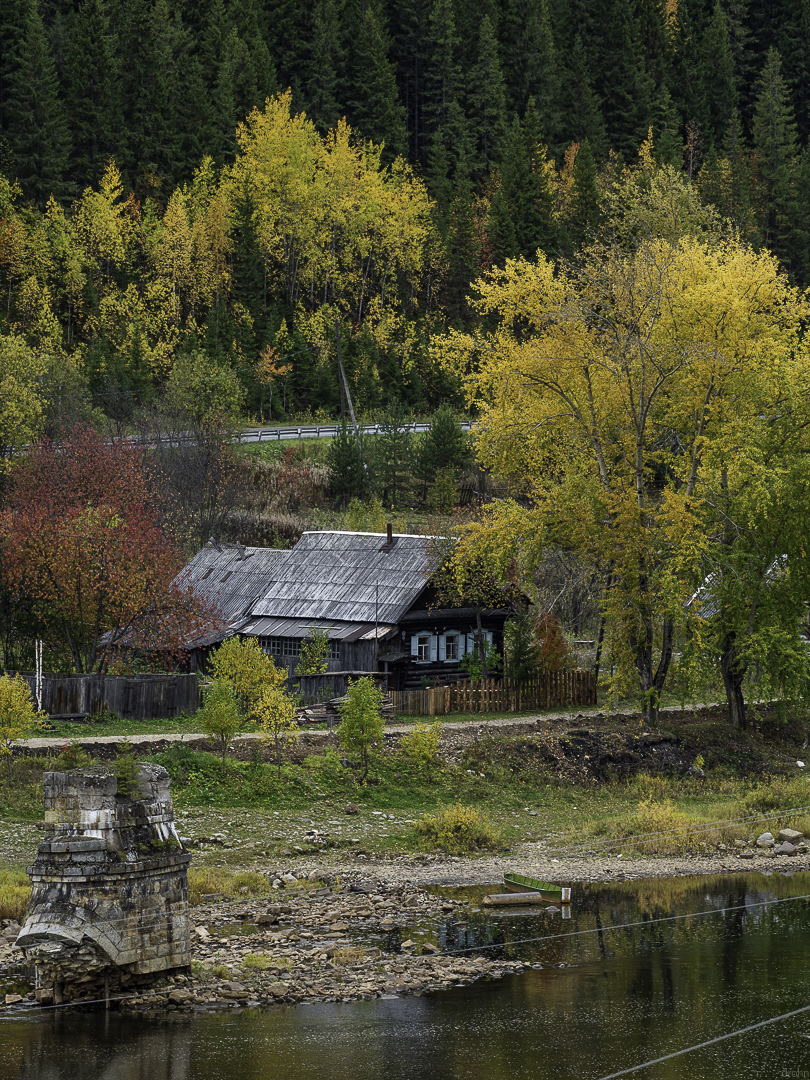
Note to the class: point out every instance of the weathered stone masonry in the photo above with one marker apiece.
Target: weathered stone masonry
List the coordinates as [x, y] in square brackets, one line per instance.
[109, 900]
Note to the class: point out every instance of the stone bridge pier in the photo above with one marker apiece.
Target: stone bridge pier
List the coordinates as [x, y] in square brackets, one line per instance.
[109, 898]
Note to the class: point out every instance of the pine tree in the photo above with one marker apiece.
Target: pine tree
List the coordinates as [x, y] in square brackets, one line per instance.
[776, 148]
[449, 137]
[323, 64]
[410, 24]
[344, 460]
[486, 97]
[374, 106]
[622, 81]
[195, 119]
[37, 129]
[92, 98]
[12, 26]
[793, 43]
[666, 129]
[583, 217]
[582, 107]
[525, 188]
[530, 62]
[720, 82]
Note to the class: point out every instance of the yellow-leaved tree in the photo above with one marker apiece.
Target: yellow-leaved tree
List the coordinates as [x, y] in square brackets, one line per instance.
[612, 396]
[248, 671]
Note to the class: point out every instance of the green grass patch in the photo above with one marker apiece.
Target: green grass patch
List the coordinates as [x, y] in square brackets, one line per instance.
[206, 881]
[15, 889]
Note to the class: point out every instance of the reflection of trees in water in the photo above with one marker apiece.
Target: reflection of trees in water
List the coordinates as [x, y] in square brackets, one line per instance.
[114, 1049]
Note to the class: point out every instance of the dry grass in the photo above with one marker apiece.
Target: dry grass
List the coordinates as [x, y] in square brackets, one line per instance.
[459, 830]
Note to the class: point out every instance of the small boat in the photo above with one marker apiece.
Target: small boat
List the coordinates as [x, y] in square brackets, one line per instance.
[512, 898]
[520, 883]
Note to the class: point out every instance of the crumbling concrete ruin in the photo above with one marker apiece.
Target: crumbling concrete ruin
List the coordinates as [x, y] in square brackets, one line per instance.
[109, 899]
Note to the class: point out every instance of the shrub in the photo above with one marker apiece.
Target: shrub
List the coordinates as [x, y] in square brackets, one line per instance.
[459, 830]
[125, 770]
[15, 890]
[314, 657]
[421, 745]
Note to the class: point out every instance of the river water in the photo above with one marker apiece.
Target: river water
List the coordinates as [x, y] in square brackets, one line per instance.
[705, 957]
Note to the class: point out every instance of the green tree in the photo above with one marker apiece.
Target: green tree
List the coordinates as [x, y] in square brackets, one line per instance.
[486, 102]
[206, 391]
[443, 446]
[775, 143]
[37, 129]
[314, 656]
[373, 98]
[276, 719]
[361, 726]
[720, 78]
[18, 714]
[247, 670]
[344, 460]
[323, 64]
[219, 716]
[92, 98]
[393, 451]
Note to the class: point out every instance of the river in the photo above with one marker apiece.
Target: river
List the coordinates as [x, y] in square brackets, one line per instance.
[651, 968]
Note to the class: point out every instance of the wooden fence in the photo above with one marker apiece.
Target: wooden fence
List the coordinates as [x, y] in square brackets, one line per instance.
[312, 689]
[133, 697]
[557, 690]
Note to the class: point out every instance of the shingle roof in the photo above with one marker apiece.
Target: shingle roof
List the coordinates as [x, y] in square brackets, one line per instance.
[348, 577]
[230, 576]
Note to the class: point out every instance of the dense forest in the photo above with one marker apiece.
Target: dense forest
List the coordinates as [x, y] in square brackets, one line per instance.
[235, 182]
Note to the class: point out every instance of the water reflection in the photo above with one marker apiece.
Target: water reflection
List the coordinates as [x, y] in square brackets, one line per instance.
[631, 994]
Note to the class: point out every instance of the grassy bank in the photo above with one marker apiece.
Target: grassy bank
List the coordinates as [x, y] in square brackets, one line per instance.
[566, 789]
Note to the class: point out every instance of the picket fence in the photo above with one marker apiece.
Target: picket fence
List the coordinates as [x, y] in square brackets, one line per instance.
[558, 689]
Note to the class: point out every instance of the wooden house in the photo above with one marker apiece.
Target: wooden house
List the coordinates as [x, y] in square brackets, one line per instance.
[371, 592]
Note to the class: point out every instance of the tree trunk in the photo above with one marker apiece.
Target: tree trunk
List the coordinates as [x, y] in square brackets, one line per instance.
[652, 683]
[732, 680]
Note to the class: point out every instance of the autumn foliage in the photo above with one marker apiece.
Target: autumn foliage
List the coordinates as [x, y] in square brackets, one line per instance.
[80, 541]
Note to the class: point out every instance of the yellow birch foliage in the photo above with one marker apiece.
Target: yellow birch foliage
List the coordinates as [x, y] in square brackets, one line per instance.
[612, 397]
[337, 229]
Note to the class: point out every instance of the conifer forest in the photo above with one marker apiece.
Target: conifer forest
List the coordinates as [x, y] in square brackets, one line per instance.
[228, 184]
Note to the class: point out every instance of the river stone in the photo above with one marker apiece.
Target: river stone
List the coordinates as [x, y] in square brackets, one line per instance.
[785, 849]
[429, 947]
[179, 997]
[791, 836]
[765, 840]
[290, 879]
[266, 919]
[13, 999]
[745, 855]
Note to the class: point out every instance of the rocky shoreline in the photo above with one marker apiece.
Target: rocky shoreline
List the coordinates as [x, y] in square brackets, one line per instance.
[373, 930]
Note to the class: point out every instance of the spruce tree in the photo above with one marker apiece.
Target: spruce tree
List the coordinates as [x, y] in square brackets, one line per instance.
[720, 82]
[776, 149]
[37, 129]
[525, 189]
[624, 85]
[344, 460]
[582, 107]
[409, 26]
[530, 62]
[92, 98]
[392, 453]
[373, 99]
[486, 98]
[583, 217]
[323, 65]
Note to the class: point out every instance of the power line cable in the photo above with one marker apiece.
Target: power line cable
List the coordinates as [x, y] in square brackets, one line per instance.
[632, 925]
[708, 1042]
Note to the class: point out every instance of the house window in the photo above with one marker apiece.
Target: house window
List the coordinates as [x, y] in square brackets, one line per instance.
[423, 647]
[291, 646]
[451, 647]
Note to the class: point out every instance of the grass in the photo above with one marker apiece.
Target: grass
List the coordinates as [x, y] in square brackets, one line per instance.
[458, 830]
[15, 890]
[204, 881]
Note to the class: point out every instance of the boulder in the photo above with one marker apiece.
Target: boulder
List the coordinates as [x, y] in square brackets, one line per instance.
[765, 840]
[785, 849]
[791, 836]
